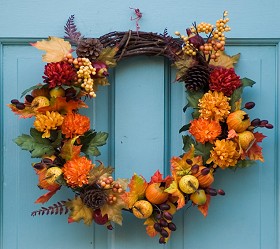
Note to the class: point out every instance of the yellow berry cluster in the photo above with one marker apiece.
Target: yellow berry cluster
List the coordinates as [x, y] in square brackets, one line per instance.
[86, 70]
[188, 47]
[203, 28]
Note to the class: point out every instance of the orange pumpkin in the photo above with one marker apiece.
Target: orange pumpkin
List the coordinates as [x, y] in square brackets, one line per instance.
[204, 180]
[155, 193]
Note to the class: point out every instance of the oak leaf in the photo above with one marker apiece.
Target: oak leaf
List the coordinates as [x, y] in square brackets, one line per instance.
[56, 49]
[79, 211]
[137, 186]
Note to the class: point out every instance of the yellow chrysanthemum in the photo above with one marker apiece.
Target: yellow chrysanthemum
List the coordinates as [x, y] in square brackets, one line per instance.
[46, 122]
[205, 130]
[76, 171]
[214, 105]
[224, 153]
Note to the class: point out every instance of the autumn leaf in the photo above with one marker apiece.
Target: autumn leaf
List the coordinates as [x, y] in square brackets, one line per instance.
[69, 150]
[27, 112]
[182, 65]
[99, 171]
[255, 151]
[79, 211]
[62, 106]
[175, 192]
[107, 56]
[56, 49]
[44, 198]
[137, 188]
[225, 60]
[204, 208]
[231, 134]
[149, 223]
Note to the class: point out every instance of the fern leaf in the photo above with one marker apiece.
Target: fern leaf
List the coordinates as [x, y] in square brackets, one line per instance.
[71, 31]
[57, 208]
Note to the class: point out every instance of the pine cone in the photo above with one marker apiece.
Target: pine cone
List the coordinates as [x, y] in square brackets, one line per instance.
[197, 78]
[89, 48]
[94, 198]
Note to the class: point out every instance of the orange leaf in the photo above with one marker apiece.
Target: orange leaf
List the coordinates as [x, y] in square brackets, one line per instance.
[56, 48]
[27, 112]
[42, 180]
[157, 177]
[150, 227]
[175, 192]
[60, 105]
[137, 188]
[44, 198]
[204, 208]
[232, 134]
[69, 150]
[259, 137]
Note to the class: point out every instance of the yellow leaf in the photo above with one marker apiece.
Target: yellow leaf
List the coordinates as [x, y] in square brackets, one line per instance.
[182, 65]
[79, 211]
[225, 60]
[175, 192]
[107, 56]
[56, 48]
[150, 227]
[137, 187]
[114, 211]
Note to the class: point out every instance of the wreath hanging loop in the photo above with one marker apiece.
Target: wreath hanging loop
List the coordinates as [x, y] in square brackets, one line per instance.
[220, 135]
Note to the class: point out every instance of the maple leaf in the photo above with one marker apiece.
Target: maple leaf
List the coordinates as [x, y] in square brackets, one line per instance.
[69, 150]
[44, 198]
[62, 106]
[27, 112]
[107, 56]
[98, 172]
[175, 192]
[150, 227]
[204, 208]
[225, 60]
[137, 186]
[180, 167]
[79, 211]
[182, 65]
[56, 48]
[114, 211]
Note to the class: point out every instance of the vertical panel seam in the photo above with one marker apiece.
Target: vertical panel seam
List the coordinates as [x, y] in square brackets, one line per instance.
[1, 146]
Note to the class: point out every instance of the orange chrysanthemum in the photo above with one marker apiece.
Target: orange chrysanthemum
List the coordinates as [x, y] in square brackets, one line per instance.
[214, 105]
[76, 171]
[205, 130]
[75, 124]
[224, 153]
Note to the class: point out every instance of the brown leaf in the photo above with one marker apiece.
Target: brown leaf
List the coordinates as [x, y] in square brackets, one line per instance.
[225, 60]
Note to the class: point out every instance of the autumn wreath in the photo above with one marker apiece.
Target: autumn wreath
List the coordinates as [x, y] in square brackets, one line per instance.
[221, 134]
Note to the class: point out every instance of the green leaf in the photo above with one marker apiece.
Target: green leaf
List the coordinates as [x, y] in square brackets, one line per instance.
[92, 141]
[193, 99]
[187, 141]
[185, 128]
[244, 164]
[203, 150]
[35, 144]
[31, 89]
[238, 92]
[56, 137]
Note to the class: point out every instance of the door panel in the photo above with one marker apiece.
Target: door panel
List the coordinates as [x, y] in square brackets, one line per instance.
[142, 111]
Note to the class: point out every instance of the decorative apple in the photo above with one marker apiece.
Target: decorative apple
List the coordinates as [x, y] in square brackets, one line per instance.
[238, 121]
[39, 102]
[188, 184]
[155, 193]
[142, 209]
[99, 218]
[245, 139]
[57, 92]
[52, 174]
[198, 197]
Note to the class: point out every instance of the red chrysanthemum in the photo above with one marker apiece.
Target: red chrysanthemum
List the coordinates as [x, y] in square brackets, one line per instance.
[224, 80]
[59, 73]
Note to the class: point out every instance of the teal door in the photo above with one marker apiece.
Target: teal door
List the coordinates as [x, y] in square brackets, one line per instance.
[142, 111]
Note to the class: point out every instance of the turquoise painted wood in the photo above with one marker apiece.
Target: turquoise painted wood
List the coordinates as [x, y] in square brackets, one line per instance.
[142, 110]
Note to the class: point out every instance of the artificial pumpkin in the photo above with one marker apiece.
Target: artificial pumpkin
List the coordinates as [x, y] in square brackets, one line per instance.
[204, 180]
[155, 193]
[238, 121]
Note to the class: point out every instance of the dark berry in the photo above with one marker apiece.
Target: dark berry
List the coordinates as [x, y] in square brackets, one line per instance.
[20, 106]
[221, 192]
[164, 233]
[256, 122]
[195, 169]
[211, 191]
[164, 206]
[110, 227]
[29, 98]
[189, 161]
[205, 171]
[161, 240]
[157, 227]
[249, 105]
[263, 123]
[14, 101]
[269, 126]
[47, 161]
[167, 215]
[38, 166]
[172, 226]
[163, 223]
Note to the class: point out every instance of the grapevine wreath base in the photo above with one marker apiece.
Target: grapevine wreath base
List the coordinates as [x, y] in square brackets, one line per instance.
[63, 140]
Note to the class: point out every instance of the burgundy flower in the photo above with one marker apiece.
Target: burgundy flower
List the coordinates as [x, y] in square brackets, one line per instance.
[59, 73]
[224, 80]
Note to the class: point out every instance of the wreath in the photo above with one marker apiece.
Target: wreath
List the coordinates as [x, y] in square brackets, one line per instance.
[220, 135]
